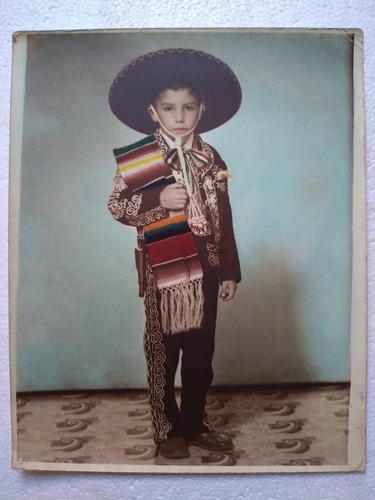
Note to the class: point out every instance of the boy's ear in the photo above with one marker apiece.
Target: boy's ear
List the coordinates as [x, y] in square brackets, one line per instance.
[152, 113]
[202, 109]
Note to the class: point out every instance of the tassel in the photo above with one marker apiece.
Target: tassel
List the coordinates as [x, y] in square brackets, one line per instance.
[182, 307]
[196, 220]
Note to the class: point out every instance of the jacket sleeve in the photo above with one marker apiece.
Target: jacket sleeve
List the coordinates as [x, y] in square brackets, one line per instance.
[230, 268]
[134, 208]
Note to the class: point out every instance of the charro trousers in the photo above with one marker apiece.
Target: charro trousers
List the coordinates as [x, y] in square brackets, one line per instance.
[195, 348]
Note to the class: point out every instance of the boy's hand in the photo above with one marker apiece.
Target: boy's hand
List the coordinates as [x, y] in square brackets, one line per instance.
[228, 290]
[173, 197]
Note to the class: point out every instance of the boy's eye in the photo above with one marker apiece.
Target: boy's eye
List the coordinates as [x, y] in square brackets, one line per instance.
[190, 107]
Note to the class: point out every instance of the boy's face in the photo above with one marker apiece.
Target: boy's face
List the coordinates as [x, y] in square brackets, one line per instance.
[178, 110]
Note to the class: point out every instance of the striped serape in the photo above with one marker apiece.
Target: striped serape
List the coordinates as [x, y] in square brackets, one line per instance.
[142, 164]
[178, 273]
[170, 245]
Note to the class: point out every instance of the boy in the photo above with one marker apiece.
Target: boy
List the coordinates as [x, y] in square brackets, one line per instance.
[172, 186]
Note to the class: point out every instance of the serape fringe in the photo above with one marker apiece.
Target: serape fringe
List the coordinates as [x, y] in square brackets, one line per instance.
[182, 307]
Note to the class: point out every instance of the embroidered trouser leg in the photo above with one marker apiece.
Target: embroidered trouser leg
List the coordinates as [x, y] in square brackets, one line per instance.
[162, 356]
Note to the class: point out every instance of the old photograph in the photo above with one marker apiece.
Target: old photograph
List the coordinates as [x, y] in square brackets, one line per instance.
[188, 251]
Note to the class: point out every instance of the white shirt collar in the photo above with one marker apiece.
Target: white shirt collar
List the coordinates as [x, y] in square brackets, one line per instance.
[188, 144]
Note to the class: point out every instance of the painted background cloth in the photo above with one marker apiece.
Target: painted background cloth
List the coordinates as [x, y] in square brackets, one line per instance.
[80, 321]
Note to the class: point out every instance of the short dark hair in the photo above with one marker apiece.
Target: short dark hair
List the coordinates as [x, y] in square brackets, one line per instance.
[176, 85]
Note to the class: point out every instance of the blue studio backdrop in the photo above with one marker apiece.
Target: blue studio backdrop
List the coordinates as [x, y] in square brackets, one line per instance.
[79, 318]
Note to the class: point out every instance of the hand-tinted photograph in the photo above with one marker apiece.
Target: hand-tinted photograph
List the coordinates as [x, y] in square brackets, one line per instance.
[188, 251]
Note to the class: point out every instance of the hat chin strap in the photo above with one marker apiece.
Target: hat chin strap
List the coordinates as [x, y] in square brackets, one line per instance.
[178, 138]
[178, 142]
[196, 217]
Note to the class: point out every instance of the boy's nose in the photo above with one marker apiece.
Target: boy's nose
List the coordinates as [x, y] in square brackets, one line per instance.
[179, 117]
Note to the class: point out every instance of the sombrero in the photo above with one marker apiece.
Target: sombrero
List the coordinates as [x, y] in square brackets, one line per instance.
[133, 87]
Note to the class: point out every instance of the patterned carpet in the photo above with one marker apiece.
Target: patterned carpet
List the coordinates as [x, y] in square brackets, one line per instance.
[278, 425]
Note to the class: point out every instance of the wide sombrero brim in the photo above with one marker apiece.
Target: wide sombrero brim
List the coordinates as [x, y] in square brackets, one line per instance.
[131, 90]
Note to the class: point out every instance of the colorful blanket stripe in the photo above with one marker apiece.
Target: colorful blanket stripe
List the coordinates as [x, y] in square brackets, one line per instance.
[142, 164]
[166, 228]
[172, 252]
